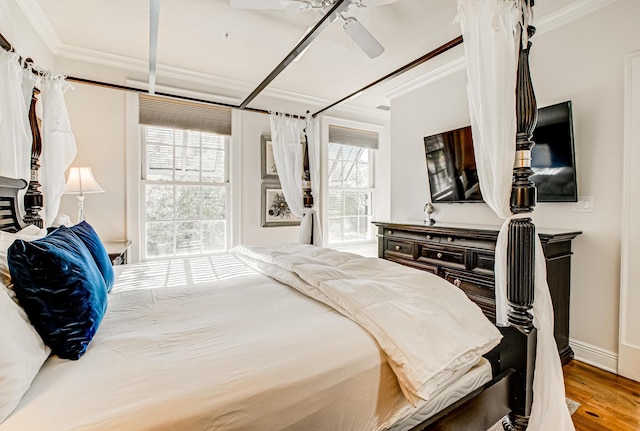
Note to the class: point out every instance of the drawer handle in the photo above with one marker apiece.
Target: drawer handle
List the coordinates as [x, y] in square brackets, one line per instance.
[457, 282]
[439, 255]
[389, 232]
[450, 239]
[429, 237]
[398, 248]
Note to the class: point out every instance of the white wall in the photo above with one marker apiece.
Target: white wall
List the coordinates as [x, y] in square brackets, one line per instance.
[582, 61]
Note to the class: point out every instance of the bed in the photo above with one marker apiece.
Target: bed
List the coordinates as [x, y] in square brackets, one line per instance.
[210, 343]
[255, 347]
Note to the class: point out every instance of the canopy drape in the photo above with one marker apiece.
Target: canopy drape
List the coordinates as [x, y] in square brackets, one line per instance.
[286, 136]
[59, 145]
[16, 85]
[491, 32]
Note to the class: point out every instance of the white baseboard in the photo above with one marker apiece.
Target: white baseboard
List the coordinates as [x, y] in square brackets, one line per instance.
[595, 356]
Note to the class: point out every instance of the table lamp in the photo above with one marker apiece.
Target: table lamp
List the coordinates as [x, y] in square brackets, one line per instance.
[81, 182]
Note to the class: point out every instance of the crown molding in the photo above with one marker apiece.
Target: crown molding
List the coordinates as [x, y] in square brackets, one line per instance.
[184, 92]
[41, 24]
[443, 71]
[138, 65]
[569, 13]
[562, 16]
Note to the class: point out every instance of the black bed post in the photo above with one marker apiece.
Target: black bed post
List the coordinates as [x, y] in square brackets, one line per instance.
[307, 198]
[33, 197]
[521, 250]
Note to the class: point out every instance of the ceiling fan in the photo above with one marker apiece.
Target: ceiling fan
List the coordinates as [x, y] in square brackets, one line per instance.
[354, 28]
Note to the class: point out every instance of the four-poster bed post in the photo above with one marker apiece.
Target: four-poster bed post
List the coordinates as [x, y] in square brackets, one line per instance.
[521, 248]
[33, 199]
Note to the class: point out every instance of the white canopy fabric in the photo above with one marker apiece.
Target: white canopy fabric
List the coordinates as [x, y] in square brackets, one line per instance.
[59, 145]
[288, 155]
[16, 85]
[491, 32]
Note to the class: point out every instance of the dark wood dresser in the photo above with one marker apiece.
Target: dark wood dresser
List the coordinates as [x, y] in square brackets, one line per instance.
[465, 255]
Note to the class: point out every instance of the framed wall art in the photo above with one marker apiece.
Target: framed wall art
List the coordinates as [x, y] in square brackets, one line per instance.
[269, 170]
[275, 210]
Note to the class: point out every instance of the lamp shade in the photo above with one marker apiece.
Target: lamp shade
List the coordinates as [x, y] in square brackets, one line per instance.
[81, 181]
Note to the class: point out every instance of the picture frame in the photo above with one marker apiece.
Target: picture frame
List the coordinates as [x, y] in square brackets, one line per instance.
[268, 165]
[268, 162]
[275, 211]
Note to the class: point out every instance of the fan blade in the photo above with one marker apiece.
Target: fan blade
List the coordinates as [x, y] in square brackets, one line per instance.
[265, 4]
[361, 36]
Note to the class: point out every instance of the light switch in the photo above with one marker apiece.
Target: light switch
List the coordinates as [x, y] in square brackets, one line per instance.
[584, 204]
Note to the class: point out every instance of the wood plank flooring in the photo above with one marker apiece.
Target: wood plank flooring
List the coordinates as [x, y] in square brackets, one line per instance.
[607, 401]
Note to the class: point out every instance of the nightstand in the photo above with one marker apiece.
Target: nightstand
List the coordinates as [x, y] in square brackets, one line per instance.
[117, 251]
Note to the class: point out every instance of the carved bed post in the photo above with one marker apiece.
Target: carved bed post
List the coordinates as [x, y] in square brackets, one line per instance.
[33, 197]
[307, 198]
[521, 248]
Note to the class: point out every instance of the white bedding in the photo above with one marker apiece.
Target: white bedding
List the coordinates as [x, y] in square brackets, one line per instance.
[430, 332]
[189, 345]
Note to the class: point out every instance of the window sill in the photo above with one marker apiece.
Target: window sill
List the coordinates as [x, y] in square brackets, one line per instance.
[369, 249]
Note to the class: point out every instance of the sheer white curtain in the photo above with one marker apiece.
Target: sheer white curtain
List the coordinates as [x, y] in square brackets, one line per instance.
[15, 132]
[58, 143]
[287, 153]
[491, 38]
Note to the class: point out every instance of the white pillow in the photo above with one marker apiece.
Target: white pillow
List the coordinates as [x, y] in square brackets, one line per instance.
[29, 233]
[21, 356]
[62, 220]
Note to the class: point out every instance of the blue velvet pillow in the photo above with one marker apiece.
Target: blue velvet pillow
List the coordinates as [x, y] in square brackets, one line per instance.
[60, 288]
[90, 238]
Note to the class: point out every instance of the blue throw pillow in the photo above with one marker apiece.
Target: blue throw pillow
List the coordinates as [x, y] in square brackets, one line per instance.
[60, 288]
[91, 239]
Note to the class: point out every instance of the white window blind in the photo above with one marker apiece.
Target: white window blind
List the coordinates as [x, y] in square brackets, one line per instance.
[166, 112]
[353, 137]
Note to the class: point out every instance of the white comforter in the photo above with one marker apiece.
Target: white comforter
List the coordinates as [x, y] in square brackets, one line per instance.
[209, 344]
[430, 331]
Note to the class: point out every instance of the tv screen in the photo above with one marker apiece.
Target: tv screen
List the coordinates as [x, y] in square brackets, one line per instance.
[452, 170]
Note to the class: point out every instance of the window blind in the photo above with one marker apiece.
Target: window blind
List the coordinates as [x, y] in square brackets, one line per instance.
[354, 137]
[162, 111]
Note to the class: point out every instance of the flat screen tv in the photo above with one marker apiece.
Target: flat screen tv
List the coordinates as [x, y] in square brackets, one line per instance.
[452, 170]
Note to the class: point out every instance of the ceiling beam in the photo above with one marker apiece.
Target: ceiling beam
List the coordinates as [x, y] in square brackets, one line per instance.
[335, 11]
[154, 22]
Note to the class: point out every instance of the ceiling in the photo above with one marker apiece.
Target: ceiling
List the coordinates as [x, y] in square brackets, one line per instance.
[236, 49]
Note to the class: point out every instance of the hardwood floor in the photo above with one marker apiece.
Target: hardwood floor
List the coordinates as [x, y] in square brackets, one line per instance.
[607, 401]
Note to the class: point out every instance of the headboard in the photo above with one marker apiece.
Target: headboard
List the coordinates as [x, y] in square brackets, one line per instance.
[9, 188]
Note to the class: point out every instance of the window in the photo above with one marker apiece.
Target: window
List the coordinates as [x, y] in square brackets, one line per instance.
[184, 178]
[185, 189]
[350, 185]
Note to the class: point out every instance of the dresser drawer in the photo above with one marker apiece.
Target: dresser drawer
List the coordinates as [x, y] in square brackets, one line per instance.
[398, 248]
[483, 262]
[441, 255]
[479, 290]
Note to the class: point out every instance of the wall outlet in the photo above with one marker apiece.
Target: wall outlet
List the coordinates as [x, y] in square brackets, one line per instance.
[584, 205]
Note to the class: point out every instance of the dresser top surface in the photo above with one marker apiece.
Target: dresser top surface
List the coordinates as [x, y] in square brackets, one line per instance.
[470, 227]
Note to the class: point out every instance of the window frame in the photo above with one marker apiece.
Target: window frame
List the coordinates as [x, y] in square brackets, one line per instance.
[331, 121]
[143, 182]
